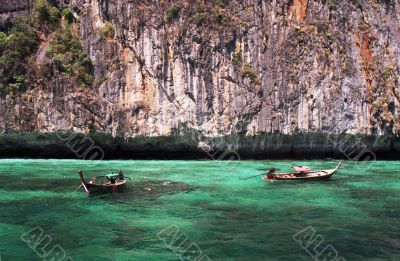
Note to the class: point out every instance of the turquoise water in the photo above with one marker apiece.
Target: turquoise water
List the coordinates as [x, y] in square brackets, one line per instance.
[357, 212]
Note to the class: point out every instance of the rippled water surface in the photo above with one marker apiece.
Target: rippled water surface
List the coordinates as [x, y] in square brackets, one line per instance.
[357, 212]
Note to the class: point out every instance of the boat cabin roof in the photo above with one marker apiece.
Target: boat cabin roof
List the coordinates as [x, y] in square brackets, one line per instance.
[111, 175]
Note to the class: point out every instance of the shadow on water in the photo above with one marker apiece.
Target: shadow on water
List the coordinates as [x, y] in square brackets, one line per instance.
[301, 183]
[23, 210]
[255, 230]
[142, 190]
[53, 185]
[68, 216]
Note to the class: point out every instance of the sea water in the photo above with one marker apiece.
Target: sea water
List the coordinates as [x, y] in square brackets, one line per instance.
[187, 210]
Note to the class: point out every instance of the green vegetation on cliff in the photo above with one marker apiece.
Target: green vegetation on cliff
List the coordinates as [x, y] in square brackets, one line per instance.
[69, 58]
[237, 58]
[20, 45]
[46, 14]
[248, 72]
[173, 12]
[107, 30]
[15, 50]
[67, 15]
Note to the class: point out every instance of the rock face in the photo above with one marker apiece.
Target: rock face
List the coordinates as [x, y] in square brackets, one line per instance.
[223, 68]
[11, 9]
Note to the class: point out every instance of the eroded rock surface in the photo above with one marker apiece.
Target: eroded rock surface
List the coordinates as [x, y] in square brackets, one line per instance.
[223, 68]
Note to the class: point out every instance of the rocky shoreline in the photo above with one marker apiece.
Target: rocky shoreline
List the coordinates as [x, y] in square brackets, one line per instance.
[235, 68]
[263, 146]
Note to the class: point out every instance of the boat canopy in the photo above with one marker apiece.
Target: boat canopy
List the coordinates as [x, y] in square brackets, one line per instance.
[111, 175]
[302, 168]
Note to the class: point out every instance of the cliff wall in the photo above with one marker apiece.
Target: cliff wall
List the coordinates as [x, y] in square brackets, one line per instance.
[218, 68]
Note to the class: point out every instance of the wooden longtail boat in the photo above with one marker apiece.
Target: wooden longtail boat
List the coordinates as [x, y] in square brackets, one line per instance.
[302, 175]
[108, 183]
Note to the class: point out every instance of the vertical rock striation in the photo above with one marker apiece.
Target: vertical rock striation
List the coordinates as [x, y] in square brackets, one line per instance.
[224, 68]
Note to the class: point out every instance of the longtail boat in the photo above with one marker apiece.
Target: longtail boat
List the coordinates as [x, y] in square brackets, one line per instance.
[109, 183]
[302, 173]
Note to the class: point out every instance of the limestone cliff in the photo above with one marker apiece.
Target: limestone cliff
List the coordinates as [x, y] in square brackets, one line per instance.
[223, 67]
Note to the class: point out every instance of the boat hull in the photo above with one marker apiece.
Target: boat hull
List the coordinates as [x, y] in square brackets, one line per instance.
[312, 175]
[287, 177]
[92, 189]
